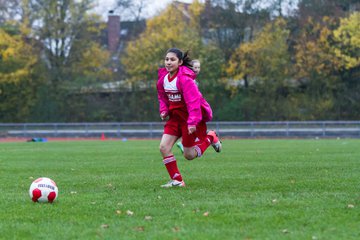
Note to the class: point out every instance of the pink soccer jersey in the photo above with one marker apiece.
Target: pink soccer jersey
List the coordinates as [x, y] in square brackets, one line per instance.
[183, 88]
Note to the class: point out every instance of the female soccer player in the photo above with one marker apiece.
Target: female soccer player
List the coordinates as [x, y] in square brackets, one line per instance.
[186, 112]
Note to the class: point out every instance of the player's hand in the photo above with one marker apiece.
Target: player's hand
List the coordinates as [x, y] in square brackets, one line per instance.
[191, 129]
[164, 115]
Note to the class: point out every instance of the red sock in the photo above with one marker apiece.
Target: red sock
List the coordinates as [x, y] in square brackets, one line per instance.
[201, 147]
[171, 166]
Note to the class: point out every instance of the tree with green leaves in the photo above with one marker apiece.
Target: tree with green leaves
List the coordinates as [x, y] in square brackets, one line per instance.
[264, 68]
[68, 39]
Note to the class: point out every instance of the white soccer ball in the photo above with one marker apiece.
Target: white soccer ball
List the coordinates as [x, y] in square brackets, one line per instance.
[43, 190]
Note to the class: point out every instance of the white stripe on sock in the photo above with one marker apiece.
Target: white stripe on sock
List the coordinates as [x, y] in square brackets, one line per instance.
[169, 159]
[198, 151]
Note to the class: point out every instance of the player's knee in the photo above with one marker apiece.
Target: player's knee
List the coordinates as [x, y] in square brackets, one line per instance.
[164, 149]
[189, 156]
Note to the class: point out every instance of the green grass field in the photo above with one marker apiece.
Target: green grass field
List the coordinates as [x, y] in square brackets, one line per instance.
[254, 189]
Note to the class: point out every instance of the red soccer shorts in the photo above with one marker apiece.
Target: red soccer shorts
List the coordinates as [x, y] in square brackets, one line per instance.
[177, 126]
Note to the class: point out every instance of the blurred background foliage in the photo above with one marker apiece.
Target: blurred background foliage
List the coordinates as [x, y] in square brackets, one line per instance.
[261, 60]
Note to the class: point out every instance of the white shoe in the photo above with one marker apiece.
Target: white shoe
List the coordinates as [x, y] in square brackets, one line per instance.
[216, 143]
[174, 183]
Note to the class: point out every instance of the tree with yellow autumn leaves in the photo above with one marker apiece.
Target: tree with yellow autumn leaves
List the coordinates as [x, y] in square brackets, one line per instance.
[17, 61]
[299, 76]
[57, 50]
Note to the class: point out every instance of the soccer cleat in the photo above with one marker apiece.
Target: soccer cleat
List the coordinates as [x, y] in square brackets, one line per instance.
[174, 183]
[180, 146]
[216, 143]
